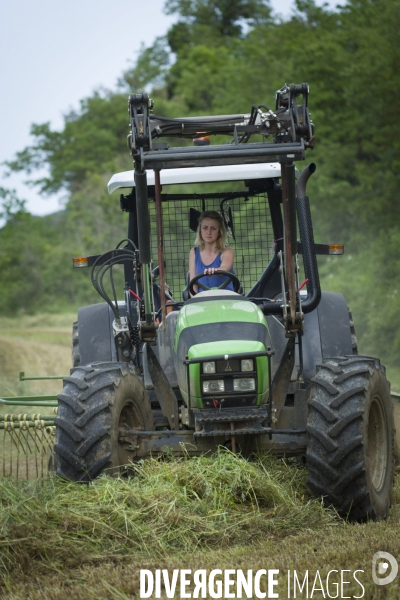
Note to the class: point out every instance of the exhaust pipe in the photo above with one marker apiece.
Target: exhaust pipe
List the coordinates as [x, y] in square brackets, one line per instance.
[307, 240]
[303, 179]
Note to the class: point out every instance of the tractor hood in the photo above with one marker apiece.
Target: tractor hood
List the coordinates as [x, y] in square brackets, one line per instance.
[215, 316]
[219, 323]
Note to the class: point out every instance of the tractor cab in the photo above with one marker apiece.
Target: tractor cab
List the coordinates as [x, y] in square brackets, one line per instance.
[243, 195]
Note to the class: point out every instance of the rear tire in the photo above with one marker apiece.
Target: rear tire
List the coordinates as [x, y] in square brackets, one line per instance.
[76, 357]
[350, 431]
[354, 342]
[96, 402]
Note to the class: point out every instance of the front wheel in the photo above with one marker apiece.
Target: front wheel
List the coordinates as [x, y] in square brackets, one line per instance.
[97, 403]
[350, 437]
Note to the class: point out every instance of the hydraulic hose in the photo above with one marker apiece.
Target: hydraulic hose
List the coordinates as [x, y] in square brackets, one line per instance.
[307, 240]
[272, 308]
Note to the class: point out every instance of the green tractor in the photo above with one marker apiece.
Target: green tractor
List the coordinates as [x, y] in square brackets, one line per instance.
[271, 365]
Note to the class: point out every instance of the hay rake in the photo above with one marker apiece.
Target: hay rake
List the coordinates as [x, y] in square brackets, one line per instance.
[28, 438]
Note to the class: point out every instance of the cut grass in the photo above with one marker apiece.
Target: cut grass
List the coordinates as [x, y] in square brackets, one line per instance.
[63, 540]
[174, 506]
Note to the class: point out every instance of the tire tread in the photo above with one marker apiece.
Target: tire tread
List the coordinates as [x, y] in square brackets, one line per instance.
[337, 464]
[84, 445]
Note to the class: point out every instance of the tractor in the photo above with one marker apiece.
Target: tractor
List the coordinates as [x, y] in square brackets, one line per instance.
[271, 365]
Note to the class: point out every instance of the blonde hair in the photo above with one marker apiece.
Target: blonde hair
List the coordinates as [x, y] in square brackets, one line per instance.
[222, 235]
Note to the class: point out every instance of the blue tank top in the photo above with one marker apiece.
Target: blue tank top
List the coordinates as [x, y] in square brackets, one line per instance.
[210, 281]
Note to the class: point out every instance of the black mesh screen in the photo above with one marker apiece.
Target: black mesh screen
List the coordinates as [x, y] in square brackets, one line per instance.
[252, 243]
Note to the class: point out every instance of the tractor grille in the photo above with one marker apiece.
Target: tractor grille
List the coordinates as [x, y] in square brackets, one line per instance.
[231, 422]
[252, 241]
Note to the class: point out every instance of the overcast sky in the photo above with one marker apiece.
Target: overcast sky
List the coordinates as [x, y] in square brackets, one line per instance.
[53, 53]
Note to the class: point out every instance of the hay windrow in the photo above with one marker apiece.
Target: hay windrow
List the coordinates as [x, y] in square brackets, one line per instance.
[174, 506]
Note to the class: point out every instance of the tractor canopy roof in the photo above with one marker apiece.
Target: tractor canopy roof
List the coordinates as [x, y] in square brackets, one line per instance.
[200, 175]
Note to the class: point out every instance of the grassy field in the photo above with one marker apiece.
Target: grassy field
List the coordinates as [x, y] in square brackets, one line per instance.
[393, 375]
[37, 345]
[59, 540]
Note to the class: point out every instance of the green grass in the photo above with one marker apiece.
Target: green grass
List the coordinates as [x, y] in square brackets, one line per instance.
[393, 375]
[38, 345]
[61, 540]
[38, 321]
[174, 506]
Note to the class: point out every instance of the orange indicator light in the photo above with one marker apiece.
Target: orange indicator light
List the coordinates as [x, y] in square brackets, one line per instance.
[336, 249]
[201, 141]
[80, 261]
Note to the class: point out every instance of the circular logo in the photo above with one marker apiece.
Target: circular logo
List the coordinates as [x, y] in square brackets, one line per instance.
[384, 568]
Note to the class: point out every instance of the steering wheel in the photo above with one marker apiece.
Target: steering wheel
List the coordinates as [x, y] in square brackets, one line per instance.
[231, 278]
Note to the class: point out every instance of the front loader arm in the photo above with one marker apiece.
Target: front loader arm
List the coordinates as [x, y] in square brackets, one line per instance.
[291, 132]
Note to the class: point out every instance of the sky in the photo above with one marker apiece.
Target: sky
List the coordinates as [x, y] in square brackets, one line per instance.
[54, 53]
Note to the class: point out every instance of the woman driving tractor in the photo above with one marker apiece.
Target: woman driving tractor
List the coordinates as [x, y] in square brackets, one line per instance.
[210, 253]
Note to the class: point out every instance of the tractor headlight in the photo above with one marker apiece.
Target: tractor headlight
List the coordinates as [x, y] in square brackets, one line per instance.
[246, 364]
[209, 367]
[213, 386]
[244, 384]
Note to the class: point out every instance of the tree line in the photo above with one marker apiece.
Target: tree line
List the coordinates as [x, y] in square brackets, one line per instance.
[221, 57]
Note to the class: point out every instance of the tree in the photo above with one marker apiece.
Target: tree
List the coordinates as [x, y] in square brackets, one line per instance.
[91, 139]
[150, 67]
[12, 206]
[228, 17]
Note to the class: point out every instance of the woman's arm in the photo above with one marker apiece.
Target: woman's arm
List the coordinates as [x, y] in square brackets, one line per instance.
[227, 258]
